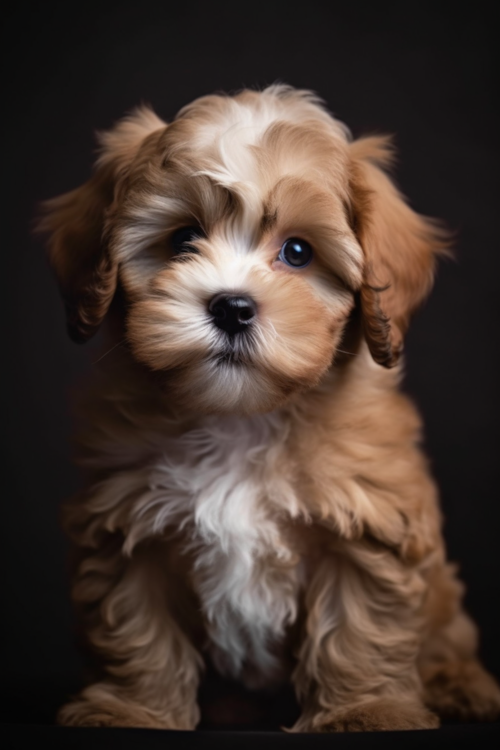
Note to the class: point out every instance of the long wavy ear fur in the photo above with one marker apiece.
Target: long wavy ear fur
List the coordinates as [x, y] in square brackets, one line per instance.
[400, 248]
[75, 222]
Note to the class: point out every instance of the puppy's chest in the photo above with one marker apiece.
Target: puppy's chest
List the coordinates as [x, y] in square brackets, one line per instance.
[237, 499]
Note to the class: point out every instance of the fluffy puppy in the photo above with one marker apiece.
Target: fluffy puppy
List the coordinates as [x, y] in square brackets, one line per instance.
[256, 493]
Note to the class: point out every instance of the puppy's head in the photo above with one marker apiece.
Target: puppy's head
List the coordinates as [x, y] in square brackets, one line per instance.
[243, 235]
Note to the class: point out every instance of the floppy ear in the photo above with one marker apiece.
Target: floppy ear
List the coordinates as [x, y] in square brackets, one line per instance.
[400, 249]
[75, 224]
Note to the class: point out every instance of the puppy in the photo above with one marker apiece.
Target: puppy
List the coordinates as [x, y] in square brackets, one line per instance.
[256, 492]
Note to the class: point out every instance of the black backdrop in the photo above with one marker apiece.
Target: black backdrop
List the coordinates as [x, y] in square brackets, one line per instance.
[421, 72]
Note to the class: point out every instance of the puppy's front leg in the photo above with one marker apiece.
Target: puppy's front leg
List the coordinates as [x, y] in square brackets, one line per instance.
[357, 665]
[150, 665]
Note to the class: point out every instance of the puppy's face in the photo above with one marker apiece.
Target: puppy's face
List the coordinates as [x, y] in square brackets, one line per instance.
[240, 235]
[236, 255]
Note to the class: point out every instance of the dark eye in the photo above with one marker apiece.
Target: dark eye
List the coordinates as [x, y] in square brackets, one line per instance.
[182, 239]
[296, 253]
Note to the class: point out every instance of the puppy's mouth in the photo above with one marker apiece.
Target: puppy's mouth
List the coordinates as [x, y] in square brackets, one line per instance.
[236, 351]
[230, 358]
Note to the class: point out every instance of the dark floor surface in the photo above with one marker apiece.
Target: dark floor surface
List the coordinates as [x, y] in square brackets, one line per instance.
[479, 737]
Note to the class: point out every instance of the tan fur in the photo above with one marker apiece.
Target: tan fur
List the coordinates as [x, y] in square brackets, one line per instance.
[273, 513]
[400, 250]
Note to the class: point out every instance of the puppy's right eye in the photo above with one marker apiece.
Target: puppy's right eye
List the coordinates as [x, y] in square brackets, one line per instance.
[182, 239]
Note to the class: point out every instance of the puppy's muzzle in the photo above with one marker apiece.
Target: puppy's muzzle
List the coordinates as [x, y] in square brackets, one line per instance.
[232, 314]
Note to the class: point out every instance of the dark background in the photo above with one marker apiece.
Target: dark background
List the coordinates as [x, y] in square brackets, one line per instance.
[421, 72]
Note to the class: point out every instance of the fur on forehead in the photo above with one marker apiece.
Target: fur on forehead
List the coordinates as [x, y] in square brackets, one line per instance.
[247, 142]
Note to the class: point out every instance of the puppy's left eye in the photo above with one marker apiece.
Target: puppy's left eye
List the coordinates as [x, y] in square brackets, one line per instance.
[295, 252]
[182, 239]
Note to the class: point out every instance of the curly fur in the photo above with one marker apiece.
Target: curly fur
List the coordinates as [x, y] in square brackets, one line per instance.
[269, 507]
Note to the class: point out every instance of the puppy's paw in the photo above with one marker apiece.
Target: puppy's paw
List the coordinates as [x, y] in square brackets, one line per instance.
[99, 707]
[375, 716]
[463, 691]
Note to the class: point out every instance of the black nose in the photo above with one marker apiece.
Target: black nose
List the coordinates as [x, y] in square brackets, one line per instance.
[231, 313]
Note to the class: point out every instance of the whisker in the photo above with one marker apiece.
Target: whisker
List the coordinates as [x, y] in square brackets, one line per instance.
[273, 329]
[108, 352]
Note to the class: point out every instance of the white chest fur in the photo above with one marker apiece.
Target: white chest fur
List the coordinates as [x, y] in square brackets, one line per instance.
[224, 483]
[247, 576]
